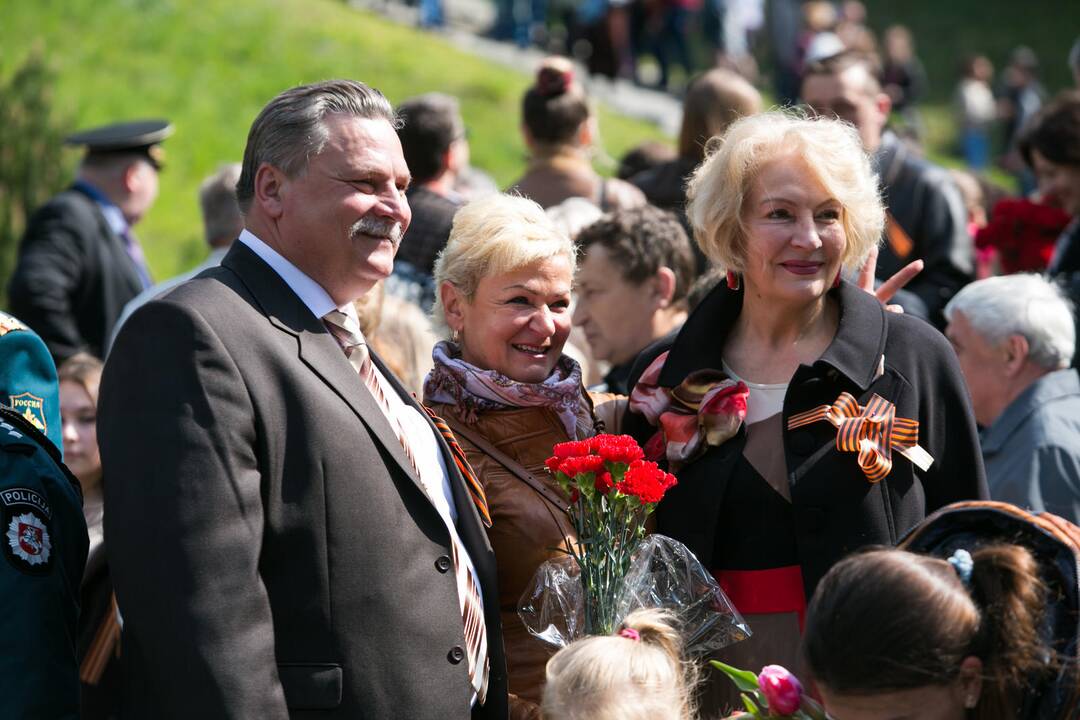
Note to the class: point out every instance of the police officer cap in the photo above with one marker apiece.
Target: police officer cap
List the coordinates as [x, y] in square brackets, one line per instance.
[141, 137]
[28, 382]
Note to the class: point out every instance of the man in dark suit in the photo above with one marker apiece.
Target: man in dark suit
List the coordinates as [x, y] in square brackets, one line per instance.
[79, 261]
[289, 534]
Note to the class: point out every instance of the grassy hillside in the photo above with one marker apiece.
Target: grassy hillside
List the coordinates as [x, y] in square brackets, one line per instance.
[948, 31]
[210, 65]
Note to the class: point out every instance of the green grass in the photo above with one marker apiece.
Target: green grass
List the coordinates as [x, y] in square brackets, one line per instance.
[210, 66]
[947, 31]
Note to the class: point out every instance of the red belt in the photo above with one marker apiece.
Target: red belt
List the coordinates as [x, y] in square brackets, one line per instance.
[764, 592]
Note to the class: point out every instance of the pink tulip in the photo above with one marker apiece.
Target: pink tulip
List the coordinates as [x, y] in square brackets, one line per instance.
[782, 690]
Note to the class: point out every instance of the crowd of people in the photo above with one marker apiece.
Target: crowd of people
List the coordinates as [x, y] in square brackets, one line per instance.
[312, 470]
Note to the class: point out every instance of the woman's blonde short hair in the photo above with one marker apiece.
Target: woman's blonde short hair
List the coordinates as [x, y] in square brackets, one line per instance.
[493, 235]
[831, 150]
[617, 678]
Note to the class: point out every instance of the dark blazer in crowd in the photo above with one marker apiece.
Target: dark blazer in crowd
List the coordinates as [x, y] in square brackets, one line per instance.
[834, 509]
[73, 276]
[926, 204]
[432, 216]
[273, 553]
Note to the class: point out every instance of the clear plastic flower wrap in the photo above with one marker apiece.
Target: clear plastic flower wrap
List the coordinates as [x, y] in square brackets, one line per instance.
[663, 574]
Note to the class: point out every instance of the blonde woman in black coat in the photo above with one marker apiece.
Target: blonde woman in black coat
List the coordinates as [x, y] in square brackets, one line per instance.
[822, 422]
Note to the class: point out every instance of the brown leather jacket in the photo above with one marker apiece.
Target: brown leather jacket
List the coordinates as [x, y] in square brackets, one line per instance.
[526, 523]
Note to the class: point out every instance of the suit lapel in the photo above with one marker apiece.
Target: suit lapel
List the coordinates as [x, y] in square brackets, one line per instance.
[318, 349]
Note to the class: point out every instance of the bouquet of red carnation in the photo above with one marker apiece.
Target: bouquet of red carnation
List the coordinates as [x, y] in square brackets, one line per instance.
[612, 490]
[1023, 233]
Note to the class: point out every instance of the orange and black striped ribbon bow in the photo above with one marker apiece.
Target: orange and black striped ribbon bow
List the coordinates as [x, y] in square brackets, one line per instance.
[873, 431]
[476, 490]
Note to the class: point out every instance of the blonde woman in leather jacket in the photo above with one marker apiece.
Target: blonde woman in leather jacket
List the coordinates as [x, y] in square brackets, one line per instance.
[504, 386]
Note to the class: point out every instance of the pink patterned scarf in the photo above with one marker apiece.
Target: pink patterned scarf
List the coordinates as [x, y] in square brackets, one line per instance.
[475, 390]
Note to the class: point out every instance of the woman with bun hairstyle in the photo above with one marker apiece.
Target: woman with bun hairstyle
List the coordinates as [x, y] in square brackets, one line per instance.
[559, 129]
[636, 674]
[893, 634]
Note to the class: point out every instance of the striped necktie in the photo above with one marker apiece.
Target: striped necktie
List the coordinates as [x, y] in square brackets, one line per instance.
[346, 331]
[476, 490]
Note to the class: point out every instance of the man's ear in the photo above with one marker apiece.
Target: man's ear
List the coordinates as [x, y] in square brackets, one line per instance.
[269, 190]
[130, 176]
[453, 303]
[664, 283]
[1016, 349]
[883, 105]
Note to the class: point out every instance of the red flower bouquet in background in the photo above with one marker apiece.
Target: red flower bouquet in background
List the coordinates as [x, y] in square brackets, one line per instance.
[1023, 233]
[612, 489]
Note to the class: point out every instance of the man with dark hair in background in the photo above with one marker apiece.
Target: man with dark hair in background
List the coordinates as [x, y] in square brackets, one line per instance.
[636, 269]
[927, 218]
[433, 139]
[79, 262]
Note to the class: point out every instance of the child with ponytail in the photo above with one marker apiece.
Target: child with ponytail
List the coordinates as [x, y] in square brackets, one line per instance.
[893, 634]
[637, 674]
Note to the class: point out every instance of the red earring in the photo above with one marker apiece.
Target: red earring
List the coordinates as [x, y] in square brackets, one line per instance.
[732, 280]
[836, 282]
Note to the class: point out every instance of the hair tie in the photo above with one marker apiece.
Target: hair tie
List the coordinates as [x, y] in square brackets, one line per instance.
[552, 81]
[963, 565]
[630, 634]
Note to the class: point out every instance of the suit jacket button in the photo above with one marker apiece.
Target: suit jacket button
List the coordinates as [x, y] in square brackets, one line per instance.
[443, 564]
[455, 655]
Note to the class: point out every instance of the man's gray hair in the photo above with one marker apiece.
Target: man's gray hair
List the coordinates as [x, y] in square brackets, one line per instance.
[1074, 57]
[217, 200]
[1025, 304]
[291, 130]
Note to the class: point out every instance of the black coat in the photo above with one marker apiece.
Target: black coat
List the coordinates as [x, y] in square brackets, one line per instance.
[73, 276]
[835, 509]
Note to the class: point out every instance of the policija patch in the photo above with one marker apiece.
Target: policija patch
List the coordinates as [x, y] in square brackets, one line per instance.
[26, 543]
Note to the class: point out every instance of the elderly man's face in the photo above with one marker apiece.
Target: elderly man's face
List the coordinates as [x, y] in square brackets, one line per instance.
[847, 96]
[983, 367]
[342, 219]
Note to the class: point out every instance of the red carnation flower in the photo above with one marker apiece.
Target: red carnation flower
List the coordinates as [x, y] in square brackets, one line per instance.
[552, 464]
[574, 466]
[646, 481]
[574, 448]
[617, 448]
[604, 482]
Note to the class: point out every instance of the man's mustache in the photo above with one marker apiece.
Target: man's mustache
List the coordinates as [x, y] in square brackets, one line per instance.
[377, 227]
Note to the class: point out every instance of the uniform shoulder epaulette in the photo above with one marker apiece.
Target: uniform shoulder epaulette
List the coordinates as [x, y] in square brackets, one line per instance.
[8, 324]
